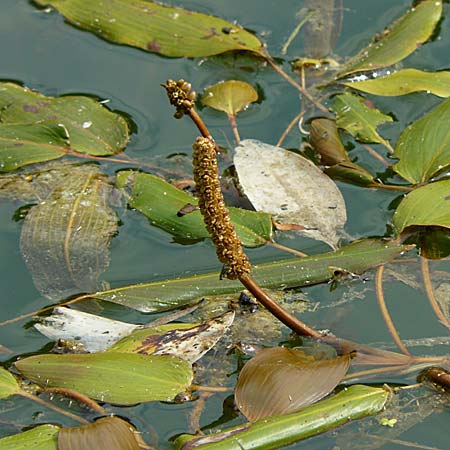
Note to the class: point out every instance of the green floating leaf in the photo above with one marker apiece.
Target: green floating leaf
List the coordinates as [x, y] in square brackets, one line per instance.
[121, 378]
[106, 433]
[164, 295]
[8, 384]
[43, 437]
[280, 381]
[426, 206]
[187, 341]
[326, 141]
[424, 147]
[22, 144]
[350, 173]
[156, 28]
[404, 82]
[360, 120]
[161, 203]
[65, 238]
[399, 40]
[355, 402]
[229, 96]
[65, 123]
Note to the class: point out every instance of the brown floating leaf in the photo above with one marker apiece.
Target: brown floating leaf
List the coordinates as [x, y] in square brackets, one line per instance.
[65, 238]
[229, 96]
[280, 381]
[107, 433]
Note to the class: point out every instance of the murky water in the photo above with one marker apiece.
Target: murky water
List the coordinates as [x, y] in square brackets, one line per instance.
[44, 53]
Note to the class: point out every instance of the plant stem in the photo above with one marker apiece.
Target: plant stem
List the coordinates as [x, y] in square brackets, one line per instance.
[197, 387]
[374, 154]
[385, 313]
[430, 293]
[232, 119]
[79, 397]
[286, 249]
[390, 187]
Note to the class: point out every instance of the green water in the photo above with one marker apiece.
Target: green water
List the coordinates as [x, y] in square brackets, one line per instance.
[43, 52]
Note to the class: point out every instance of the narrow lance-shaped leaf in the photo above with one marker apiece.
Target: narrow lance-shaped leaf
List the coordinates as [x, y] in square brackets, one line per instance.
[291, 188]
[161, 203]
[106, 433]
[280, 381]
[424, 147]
[399, 40]
[360, 120]
[353, 403]
[65, 238]
[229, 96]
[156, 28]
[91, 128]
[42, 437]
[426, 206]
[163, 295]
[121, 378]
[403, 82]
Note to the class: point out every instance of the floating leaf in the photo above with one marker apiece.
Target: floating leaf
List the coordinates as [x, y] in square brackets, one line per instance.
[106, 433]
[424, 147]
[426, 206]
[95, 333]
[186, 341]
[399, 40]
[168, 294]
[326, 141]
[156, 28]
[280, 381]
[42, 437]
[350, 173]
[229, 96]
[85, 123]
[360, 120]
[291, 188]
[122, 378]
[22, 144]
[161, 202]
[404, 82]
[8, 384]
[352, 403]
[65, 238]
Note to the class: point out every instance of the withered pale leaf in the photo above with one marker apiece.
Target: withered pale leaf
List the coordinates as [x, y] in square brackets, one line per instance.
[291, 188]
[65, 237]
[96, 333]
[175, 339]
[281, 380]
[107, 433]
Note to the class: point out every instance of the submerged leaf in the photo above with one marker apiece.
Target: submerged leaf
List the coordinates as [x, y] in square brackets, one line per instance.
[42, 437]
[156, 28]
[186, 341]
[399, 40]
[65, 238]
[229, 96]
[424, 147]
[280, 381]
[161, 203]
[121, 378]
[291, 188]
[426, 206]
[352, 403]
[106, 433]
[8, 384]
[91, 128]
[95, 333]
[404, 82]
[294, 272]
[360, 120]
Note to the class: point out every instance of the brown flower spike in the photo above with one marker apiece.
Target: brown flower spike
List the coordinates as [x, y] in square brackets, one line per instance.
[215, 214]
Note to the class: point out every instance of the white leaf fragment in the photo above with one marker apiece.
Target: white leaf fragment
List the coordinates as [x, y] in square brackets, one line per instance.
[94, 332]
[291, 188]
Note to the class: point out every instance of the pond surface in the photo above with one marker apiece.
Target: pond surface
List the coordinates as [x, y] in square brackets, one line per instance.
[41, 51]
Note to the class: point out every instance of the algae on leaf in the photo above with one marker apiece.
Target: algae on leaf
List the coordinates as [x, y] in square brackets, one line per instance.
[155, 27]
[65, 237]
